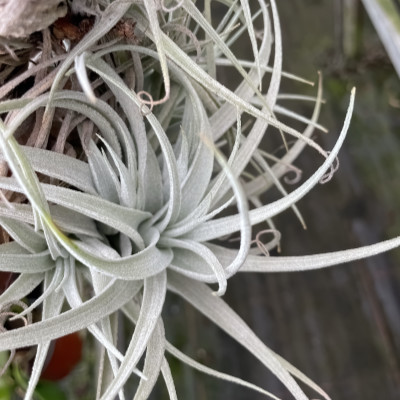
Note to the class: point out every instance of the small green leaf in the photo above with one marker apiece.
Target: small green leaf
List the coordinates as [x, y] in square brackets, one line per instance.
[7, 387]
[46, 390]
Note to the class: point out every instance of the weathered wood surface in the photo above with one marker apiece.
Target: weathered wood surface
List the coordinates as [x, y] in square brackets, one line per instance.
[340, 326]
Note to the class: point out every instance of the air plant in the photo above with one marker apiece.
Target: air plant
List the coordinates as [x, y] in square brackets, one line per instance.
[120, 152]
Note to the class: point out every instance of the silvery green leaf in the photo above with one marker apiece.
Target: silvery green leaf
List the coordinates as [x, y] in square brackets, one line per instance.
[83, 78]
[104, 176]
[106, 119]
[182, 157]
[222, 226]
[51, 308]
[23, 234]
[103, 334]
[121, 218]
[151, 9]
[267, 68]
[169, 381]
[263, 164]
[152, 362]
[152, 303]
[199, 214]
[74, 299]
[21, 287]
[68, 220]
[26, 178]
[212, 372]
[288, 113]
[59, 166]
[198, 177]
[127, 184]
[74, 222]
[52, 280]
[147, 200]
[225, 116]
[316, 261]
[256, 134]
[195, 13]
[111, 299]
[132, 113]
[15, 258]
[146, 263]
[196, 261]
[259, 184]
[152, 183]
[252, 35]
[174, 203]
[200, 296]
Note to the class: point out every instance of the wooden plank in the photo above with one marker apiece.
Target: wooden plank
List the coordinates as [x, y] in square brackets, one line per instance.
[386, 19]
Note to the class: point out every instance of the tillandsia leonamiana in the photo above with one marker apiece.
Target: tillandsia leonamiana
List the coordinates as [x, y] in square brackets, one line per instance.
[120, 152]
